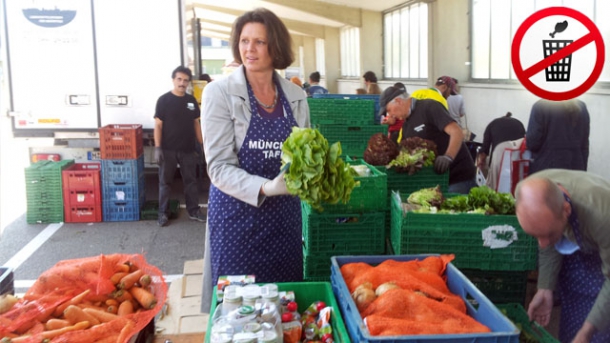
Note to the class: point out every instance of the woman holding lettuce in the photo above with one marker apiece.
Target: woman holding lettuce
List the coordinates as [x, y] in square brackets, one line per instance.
[254, 226]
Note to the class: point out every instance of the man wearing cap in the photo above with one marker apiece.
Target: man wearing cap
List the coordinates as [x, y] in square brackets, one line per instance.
[428, 118]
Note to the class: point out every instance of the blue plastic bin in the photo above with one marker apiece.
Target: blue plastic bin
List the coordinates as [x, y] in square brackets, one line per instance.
[503, 330]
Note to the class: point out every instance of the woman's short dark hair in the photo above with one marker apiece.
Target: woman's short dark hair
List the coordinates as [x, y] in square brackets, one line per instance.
[279, 41]
[183, 70]
[370, 77]
[315, 76]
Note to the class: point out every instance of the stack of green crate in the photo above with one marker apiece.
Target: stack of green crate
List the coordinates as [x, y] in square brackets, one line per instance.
[354, 228]
[349, 121]
[44, 193]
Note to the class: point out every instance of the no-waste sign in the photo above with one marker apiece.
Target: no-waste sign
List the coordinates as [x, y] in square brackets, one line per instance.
[558, 53]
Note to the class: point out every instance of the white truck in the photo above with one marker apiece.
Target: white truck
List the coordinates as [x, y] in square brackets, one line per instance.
[73, 66]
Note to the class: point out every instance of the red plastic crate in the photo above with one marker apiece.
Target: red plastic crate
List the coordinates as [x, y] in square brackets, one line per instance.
[82, 197]
[121, 141]
[82, 176]
[83, 214]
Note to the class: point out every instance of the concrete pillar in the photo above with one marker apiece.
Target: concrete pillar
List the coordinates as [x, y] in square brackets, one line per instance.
[332, 48]
[371, 43]
[309, 50]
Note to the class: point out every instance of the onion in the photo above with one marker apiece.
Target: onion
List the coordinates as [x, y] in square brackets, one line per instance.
[384, 287]
[364, 295]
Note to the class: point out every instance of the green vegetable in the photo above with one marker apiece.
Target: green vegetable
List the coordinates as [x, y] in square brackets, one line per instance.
[317, 173]
[415, 153]
[481, 199]
[427, 197]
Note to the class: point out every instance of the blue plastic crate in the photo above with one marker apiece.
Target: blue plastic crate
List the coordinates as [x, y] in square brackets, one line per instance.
[6, 281]
[503, 330]
[121, 211]
[124, 191]
[122, 171]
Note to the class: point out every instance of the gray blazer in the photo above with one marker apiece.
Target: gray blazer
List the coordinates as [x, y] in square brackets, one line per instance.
[226, 113]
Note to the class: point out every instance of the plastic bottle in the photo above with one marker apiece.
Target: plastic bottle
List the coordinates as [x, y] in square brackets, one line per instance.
[231, 302]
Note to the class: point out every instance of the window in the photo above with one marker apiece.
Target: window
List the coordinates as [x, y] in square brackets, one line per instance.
[493, 31]
[406, 42]
[350, 52]
[320, 61]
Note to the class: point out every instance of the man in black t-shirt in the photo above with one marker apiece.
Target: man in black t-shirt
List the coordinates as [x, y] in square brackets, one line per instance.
[177, 139]
[429, 119]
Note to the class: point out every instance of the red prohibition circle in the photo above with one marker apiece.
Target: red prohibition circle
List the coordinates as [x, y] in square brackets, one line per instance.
[594, 34]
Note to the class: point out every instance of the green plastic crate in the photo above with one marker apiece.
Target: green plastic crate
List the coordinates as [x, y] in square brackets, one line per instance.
[517, 314]
[354, 139]
[407, 184]
[343, 234]
[305, 294]
[500, 287]
[461, 234]
[341, 112]
[316, 267]
[46, 170]
[150, 211]
[370, 196]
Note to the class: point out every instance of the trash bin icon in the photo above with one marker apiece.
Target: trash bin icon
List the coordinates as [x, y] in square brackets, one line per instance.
[559, 71]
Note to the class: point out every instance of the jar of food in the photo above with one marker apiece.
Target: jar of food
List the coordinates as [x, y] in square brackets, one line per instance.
[231, 302]
[250, 299]
[272, 297]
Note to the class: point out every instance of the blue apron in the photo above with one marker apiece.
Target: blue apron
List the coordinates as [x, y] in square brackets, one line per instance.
[580, 281]
[265, 241]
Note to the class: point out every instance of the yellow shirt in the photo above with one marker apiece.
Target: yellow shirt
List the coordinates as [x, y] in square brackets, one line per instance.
[430, 93]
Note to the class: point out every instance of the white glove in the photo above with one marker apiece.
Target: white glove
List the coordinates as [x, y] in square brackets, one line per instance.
[276, 186]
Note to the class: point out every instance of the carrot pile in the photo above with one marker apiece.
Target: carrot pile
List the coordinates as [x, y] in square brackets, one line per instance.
[101, 299]
[408, 298]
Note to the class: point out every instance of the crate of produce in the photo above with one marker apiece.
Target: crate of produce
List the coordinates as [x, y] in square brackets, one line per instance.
[82, 176]
[83, 213]
[6, 281]
[487, 242]
[500, 287]
[150, 211]
[530, 331]
[305, 294]
[121, 211]
[341, 112]
[354, 139]
[123, 191]
[346, 233]
[503, 330]
[121, 141]
[373, 97]
[126, 171]
[407, 184]
[370, 196]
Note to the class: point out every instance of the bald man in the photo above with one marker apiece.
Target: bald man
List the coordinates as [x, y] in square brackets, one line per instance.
[569, 214]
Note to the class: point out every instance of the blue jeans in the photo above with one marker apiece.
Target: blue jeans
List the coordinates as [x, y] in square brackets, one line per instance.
[462, 187]
[188, 170]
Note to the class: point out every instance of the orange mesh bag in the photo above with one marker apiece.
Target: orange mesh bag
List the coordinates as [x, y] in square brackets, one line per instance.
[413, 298]
[79, 301]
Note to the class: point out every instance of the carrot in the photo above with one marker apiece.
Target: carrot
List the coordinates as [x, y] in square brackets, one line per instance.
[123, 268]
[75, 300]
[112, 309]
[144, 297]
[18, 339]
[125, 308]
[102, 316]
[126, 332]
[112, 302]
[54, 333]
[122, 295]
[54, 324]
[130, 279]
[45, 314]
[117, 277]
[75, 314]
[132, 267]
[145, 280]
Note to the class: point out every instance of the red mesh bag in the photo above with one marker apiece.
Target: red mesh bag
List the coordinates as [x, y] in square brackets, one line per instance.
[420, 304]
[69, 278]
